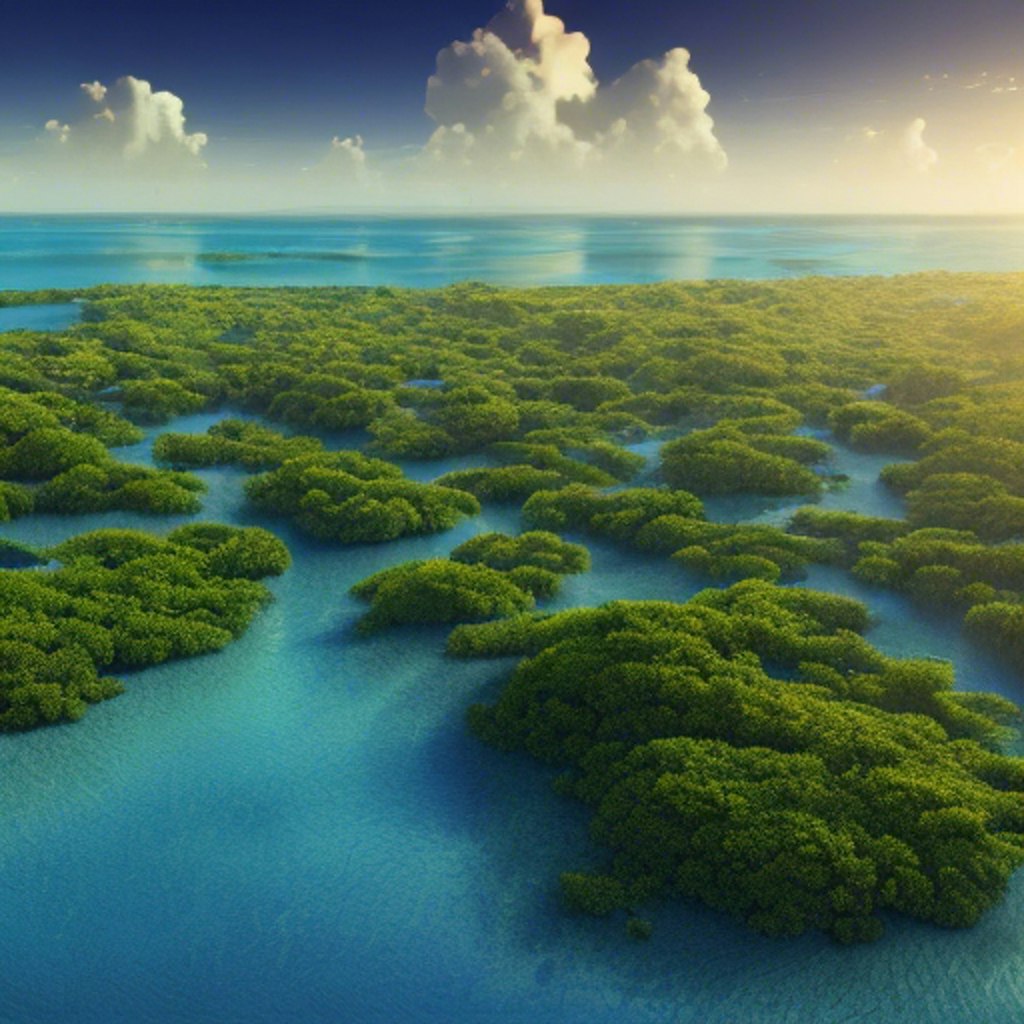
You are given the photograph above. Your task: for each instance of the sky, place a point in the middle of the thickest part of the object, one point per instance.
(804, 106)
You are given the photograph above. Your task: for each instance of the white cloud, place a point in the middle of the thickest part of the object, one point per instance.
(918, 154)
(657, 109)
(135, 128)
(499, 93)
(520, 99)
(59, 131)
(94, 90)
(349, 151)
(345, 163)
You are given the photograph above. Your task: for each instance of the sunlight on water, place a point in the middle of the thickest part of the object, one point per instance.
(71, 252)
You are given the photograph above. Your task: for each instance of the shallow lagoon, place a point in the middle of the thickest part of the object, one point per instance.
(300, 829)
(56, 316)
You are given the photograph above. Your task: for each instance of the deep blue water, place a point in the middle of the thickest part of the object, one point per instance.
(300, 830)
(71, 252)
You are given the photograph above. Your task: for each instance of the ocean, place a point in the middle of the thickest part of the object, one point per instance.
(72, 252)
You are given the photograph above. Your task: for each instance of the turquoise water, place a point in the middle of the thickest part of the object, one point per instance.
(72, 252)
(300, 830)
(49, 317)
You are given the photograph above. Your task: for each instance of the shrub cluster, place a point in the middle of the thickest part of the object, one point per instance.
(123, 599)
(347, 497)
(728, 460)
(855, 786)
(233, 442)
(490, 576)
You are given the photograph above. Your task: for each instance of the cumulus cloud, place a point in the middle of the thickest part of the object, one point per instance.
(345, 163)
(59, 131)
(918, 154)
(348, 152)
(129, 125)
(496, 98)
(520, 98)
(894, 150)
(96, 91)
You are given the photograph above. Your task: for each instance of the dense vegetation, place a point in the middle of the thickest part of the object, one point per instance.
(843, 785)
(728, 460)
(347, 497)
(123, 599)
(490, 576)
(62, 444)
(749, 748)
(672, 522)
(233, 442)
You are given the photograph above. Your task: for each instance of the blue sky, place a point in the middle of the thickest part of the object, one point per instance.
(788, 82)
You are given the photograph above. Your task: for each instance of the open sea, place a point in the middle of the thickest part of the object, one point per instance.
(70, 252)
(300, 830)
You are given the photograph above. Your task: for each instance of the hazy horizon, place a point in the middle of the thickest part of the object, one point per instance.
(570, 108)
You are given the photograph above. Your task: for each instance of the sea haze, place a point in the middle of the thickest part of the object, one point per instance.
(72, 252)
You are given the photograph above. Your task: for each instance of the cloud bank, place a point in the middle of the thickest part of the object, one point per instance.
(518, 120)
(519, 104)
(128, 126)
(119, 147)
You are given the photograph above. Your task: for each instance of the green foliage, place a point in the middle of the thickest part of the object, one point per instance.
(726, 552)
(850, 527)
(1000, 626)
(438, 591)
(48, 451)
(233, 442)
(490, 576)
(728, 461)
(620, 515)
(22, 413)
(587, 393)
(330, 403)
(671, 522)
(347, 497)
(158, 399)
(473, 417)
(967, 501)
(403, 435)
(956, 452)
(14, 501)
(250, 554)
(864, 786)
(89, 488)
(549, 457)
(504, 483)
(879, 427)
(123, 599)
(1001, 567)
(749, 748)
(538, 548)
